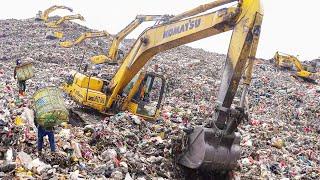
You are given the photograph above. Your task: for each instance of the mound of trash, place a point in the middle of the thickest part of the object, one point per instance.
(280, 139)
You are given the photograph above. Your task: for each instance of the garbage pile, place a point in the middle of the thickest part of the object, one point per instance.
(27, 38)
(280, 139)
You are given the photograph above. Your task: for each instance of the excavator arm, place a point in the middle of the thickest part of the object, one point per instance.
(44, 16)
(114, 48)
(297, 63)
(56, 24)
(83, 37)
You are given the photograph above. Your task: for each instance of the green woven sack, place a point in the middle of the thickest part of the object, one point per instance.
(50, 109)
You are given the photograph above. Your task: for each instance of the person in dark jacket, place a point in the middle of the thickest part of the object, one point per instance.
(21, 83)
(42, 132)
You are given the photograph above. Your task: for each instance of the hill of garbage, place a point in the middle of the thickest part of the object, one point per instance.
(280, 139)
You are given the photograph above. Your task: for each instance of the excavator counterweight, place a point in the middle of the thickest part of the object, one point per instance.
(133, 89)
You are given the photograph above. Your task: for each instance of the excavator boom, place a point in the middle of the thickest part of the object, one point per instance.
(45, 15)
(214, 148)
(56, 24)
(83, 37)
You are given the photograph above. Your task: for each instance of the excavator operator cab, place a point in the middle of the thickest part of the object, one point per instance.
(149, 95)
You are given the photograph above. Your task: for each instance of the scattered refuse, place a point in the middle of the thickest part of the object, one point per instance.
(280, 139)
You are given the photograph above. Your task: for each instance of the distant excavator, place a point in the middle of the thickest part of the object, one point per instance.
(83, 37)
(55, 24)
(54, 35)
(114, 52)
(286, 61)
(43, 16)
(212, 148)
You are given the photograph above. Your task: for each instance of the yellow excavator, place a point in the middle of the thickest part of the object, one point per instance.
(54, 35)
(114, 51)
(43, 16)
(139, 92)
(283, 60)
(83, 37)
(55, 24)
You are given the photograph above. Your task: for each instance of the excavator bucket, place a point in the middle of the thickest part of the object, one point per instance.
(209, 151)
(98, 59)
(66, 44)
(58, 35)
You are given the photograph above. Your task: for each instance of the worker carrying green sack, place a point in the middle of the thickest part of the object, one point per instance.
(23, 72)
(50, 111)
(21, 83)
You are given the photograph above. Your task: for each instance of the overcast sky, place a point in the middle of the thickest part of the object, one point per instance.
(289, 26)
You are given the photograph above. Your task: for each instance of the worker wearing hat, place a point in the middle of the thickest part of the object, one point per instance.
(21, 83)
